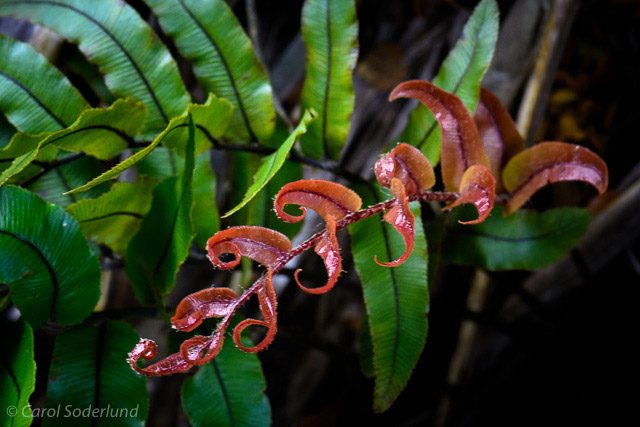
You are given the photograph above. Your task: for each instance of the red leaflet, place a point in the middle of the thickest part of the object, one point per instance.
(478, 187)
(199, 350)
(268, 308)
(329, 251)
(408, 164)
(146, 349)
(498, 132)
(258, 243)
(325, 197)
(204, 304)
(461, 146)
(401, 218)
(550, 162)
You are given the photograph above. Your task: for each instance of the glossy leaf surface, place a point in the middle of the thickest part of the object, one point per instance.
(99, 132)
(205, 217)
(205, 304)
(549, 162)
(409, 165)
(17, 373)
(272, 163)
(396, 300)
(230, 391)
(45, 260)
(325, 197)
(526, 240)
(36, 97)
(330, 33)
(89, 368)
(460, 73)
(212, 116)
(461, 145)
(260, 244)
(162, 242)
(208, 34)
(478, 187)
(500, 137)
(114, 217)
(113, 36)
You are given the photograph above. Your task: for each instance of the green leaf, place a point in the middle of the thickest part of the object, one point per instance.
(17, 373)
(208, 34)
(272, 163)
(99, 132)
(52, 185)
(210, 118)
(330, 33)
(36, 97)
(6, 132)
(162, 242)
(112, 35)
(397, 299)
(89, 372)
(460, 73)
(205, 216)
(229, 391)
(525, 240)
(45, 260)
(114, 217)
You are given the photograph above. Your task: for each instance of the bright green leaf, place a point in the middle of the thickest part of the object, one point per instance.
(45, 260)
(52, 185)
(36, 97)
(229, 391)
(205, 216)
(525, 240)
(89, 370)
(112, 35)
(396, 299)
(210, 118)
(17, 373)
(208, 34)
(162, 243)
(330, 32)
(272, 163)
(114, 217)
(460, 73)
(99, 132)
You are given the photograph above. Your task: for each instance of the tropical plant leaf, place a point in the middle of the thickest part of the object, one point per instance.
(460, 73)
(36, 97)
(272, 163)
(210, 118)
(397, 299)
(208, 34)
(162, 242)
(6, 132)
(526, 240)
(114, 217)
(17, 373)
(330, 33)
(461, 145)
(89, 370)
(113, 36)
(45, 260)
(99, 132)
(229, 391)
(205, 216)
(52, 185)
(549, 162)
